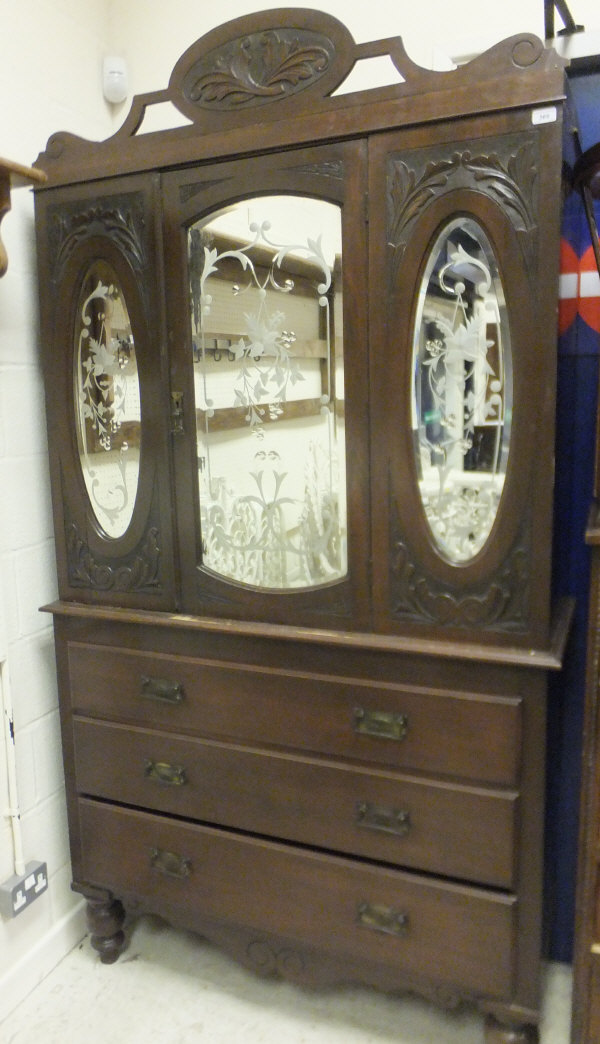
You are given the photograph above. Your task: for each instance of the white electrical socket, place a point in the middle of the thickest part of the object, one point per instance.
(21, 889)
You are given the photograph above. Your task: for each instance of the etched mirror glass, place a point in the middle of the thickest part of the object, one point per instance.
(107, 399)
(266, 325)
(462, 393)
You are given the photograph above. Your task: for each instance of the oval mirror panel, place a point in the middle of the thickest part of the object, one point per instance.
(107, 399)
(462, 391)
(266, 331)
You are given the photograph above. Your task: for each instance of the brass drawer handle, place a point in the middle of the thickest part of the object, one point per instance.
(162, 772)
(170, 863)
(382, 919)
(389, 820)
(386, 724)
(161, 689)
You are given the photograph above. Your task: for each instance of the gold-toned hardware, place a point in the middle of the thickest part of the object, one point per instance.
(382, 919)
(389, 820)
(385, 724)
(176, 413)
(161, 689)
(595, 948)
(162, 772)
(170, 863)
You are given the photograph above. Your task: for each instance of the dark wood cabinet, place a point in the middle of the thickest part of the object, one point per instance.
(586, 961)
(586, 983)
(300, 365)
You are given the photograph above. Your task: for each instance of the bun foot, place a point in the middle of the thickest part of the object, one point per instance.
(104, 920)
(500, 1033)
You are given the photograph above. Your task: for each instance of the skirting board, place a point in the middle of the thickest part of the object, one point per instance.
(35, 965)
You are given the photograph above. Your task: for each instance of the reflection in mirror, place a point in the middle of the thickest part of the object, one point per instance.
(266, 304)
(462, 392)
(107, 399)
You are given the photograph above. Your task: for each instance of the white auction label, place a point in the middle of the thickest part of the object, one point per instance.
(546, 115)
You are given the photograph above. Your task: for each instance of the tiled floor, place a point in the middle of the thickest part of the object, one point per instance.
(174, 988)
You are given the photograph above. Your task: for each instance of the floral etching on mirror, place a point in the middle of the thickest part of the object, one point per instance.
(107, 400)
(507, 172)
(266, 332)
(462, 393)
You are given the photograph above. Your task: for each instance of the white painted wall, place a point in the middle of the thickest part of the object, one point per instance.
(50, 60)
(437, 25)
(152, 36)
(50, 56)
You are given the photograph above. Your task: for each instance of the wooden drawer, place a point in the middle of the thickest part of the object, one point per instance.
(457, 831)
(450, 934)
(474, 736)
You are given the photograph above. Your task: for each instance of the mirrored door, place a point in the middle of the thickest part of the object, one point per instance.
(266, 313)
(271, 358)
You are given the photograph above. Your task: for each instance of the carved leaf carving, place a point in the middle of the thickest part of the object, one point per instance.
(266, 65)
(509, 179)
(118, 223)
(501, 605)
(142, 574)
(503, 180)
(409, 194)
(327, 169)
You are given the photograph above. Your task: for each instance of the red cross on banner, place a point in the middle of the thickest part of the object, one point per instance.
(579, 288)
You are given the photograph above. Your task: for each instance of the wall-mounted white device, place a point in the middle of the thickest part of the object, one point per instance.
(114, 79)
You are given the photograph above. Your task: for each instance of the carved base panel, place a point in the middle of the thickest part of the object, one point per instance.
(274, 957)
(499, 1033)
(277, 958)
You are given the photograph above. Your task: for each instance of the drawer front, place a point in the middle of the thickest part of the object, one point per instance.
(458, 831)
(476, 737)
(340, 907)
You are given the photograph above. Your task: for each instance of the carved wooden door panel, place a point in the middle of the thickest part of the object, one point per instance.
(109, 440)
(266, 279)
(460, 479)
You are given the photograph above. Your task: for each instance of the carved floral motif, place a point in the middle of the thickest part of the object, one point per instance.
(326, 169)
(509, 177)
(259, 67)
(119, 222)
(141, 574)
(510, 180)
(500, 606)
(269, 960)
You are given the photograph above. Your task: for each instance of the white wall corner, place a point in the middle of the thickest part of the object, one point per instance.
(27, 973)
